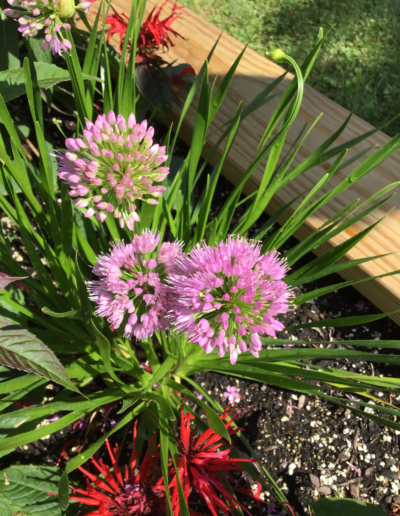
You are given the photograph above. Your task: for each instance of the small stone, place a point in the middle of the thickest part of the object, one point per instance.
(387, 499)
(285, 418)
(302, 401)
(368, 472)
(392, 475)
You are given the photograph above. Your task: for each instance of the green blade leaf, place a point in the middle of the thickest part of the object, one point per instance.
(20, 349)
(214, 420)
(344, 507)
(105, 352)
(73, 314)
(343, 321)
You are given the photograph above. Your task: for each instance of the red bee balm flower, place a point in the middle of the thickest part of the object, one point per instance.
(202, 458)
(119, 24)
(154, 33)
(140, 493)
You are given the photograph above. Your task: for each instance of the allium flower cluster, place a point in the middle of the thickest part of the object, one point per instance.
(112, 166)
(132, 285)
(33, 15)
(228, 295)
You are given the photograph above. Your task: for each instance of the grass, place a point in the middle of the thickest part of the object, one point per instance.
(365, 36)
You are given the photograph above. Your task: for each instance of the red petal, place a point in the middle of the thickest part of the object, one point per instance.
(99, 483)
(117, 471)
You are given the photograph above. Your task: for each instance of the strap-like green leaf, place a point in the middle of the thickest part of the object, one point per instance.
(345, 507)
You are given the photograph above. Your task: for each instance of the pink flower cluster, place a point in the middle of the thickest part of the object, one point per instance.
(228, 295)
(33, 15)
(225, 296)
(132, 285)
(112, 166)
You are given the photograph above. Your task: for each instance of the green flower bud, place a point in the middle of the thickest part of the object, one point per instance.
(277, 56)
(66, 8)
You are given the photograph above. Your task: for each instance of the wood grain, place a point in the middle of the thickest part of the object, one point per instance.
(254, 73)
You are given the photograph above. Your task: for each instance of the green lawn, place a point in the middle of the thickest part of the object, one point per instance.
(365, 36)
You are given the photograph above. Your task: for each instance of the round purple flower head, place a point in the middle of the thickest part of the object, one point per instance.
(33, 15)
(112, 166)
(228, 295)
(132, 288)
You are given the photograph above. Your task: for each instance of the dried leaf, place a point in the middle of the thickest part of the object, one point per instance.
(6, 280)
(315, 480)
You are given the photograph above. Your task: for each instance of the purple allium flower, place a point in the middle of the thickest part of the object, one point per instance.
(112, 166)
(360, 305)
(132, 283)
(56, 45)
(33, 15)
(232, 394)
(168, 254)
(228, 295)
(352, 398)
(287, 346)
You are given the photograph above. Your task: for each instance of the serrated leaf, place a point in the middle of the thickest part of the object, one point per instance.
(344, 507)
(6, 280)
(12, 83)
(23, 490)
(20, 349)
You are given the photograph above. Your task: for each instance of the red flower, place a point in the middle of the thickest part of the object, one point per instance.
(202, 458)
(23, 404)
(154, 33)
(118, 26)
(178, 81)
(133, 494)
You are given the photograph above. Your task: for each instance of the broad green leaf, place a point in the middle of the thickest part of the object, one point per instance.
(20, 349)
(24, 490)
(154, 85)
(12, 82)
(345, 507)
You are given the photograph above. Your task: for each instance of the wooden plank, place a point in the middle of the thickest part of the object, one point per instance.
(254, 73)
